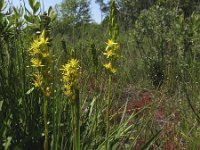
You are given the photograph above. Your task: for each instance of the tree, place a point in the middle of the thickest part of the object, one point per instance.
(188, 6)
(129, 10)
(75, 11)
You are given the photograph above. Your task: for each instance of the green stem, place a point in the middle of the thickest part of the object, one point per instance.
(73, 127)
(45, 125)
(107, 112)
(96, 104)
(77, 114)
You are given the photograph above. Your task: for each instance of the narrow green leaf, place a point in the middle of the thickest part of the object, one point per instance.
(29, 18)
(36, 7)
(1, 4)
(26, 10)
(92, 106)
(16, 11)
(52, 14)
(31, 3)
(50, 10)
(148, 144)
(7, 143)
(124, 113)
(30, 91)
(1, 105)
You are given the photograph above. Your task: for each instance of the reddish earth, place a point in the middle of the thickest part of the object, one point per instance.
(162, 119)
(135, 104)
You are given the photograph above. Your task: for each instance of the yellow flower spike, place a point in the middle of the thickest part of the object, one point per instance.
(36, 62)
(70, 78)
(38, 80)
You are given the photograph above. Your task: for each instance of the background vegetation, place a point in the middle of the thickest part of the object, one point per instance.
(151, 102)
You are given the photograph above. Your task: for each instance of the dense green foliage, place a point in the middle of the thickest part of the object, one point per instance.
(148, 100)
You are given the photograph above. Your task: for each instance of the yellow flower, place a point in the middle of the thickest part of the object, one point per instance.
(39, 45)
(109, 53)
(71, 68)
(38, 80)
(110, 43)
(34, 48)
(109, 67)
(36, 62)
(74, 63)
(35, 44)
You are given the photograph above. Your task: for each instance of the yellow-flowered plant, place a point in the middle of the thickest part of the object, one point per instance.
(70, 77)
(112, 54)
(41, 64)
(40, 61)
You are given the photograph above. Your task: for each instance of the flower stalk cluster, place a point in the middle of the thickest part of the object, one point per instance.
(70, 77)
(112, 54)
(112, 49)
(40, 62)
